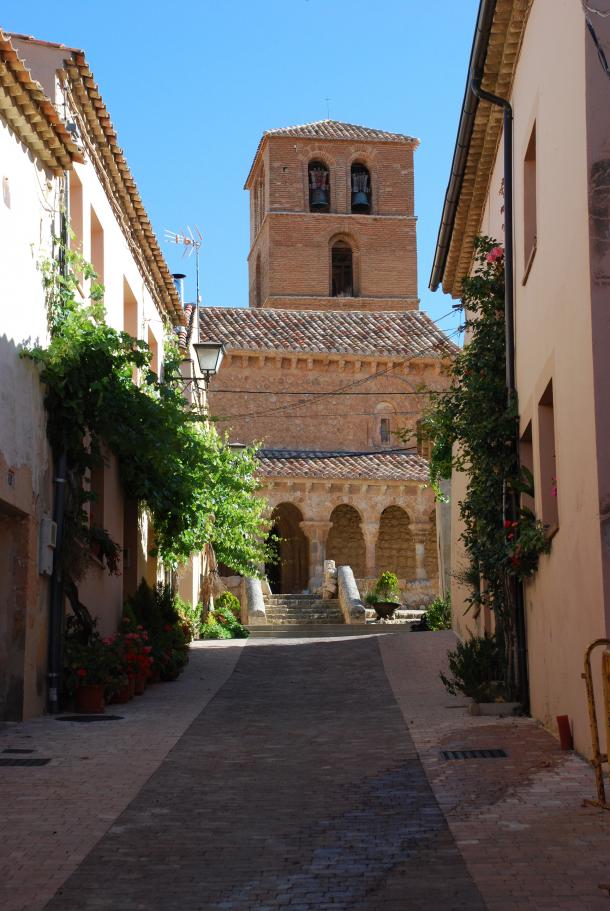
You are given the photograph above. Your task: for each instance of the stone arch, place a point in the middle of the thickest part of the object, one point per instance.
(430, 544)
(345, 544)
(395, 550)
(290, 575)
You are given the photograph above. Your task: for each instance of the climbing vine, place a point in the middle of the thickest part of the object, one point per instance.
(196, 489)
(473, 430)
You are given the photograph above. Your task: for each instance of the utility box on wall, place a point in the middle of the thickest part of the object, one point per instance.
(46, 545)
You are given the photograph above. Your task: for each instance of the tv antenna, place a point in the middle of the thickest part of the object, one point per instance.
(192, 244)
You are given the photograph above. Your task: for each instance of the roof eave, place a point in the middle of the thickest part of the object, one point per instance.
(470, 104)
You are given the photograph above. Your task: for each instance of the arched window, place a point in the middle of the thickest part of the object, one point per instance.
(342, 270)
(319, 187)
(361, 189)
(383, 427)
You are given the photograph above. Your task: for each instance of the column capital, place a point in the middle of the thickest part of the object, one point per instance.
(315, 528)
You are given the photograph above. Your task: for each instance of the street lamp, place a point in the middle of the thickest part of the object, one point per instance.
(209, 356)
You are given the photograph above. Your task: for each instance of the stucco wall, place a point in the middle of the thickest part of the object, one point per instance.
(28, 195)
(565, 602)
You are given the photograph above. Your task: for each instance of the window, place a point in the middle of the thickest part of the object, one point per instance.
(319, 187)
(549, 512)
(342, 282)
(384, 430)
(529, 202)
(526, 457)
(97, 247)
(361, 189)
(76, 212)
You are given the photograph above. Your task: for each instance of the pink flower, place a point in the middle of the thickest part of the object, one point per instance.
(494, 254)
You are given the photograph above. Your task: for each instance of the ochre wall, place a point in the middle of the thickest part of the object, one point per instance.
(332, 422)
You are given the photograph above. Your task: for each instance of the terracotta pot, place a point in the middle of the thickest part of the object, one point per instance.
(90, 699)
(140, 683)
(385, 609)
(121, 696)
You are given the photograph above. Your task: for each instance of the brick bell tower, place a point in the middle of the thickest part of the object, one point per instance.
(332, 223)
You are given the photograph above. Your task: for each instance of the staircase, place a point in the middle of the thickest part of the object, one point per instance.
(308, 616)
(301, 610)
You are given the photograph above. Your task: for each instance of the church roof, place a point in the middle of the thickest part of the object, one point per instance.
(390, 465)
(337, 130)
(333, 131)
(409, 333)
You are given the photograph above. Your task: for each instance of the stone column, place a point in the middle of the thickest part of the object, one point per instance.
(370, 531)
(316, 532)
(420, 533)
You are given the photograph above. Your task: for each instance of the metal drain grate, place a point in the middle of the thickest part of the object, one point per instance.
(16, 750)
(85, 719)
(473, 754)
(30, 761)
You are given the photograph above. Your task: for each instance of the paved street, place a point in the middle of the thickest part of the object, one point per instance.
(299, 774)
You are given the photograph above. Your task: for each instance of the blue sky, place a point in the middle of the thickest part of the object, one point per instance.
(190, 89)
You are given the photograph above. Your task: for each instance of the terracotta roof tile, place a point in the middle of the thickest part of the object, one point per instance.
(349, 466)
(135, 222)
(336, 130)
(28, 111)
(408, 333)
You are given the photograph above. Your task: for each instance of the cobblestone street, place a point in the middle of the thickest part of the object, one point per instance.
(299, 774)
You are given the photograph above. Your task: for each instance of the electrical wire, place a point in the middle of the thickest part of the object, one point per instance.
(294, 405)
(601, 54)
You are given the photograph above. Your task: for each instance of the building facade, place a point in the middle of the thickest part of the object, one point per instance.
(560, 168)
(333, 356)
(50, 164)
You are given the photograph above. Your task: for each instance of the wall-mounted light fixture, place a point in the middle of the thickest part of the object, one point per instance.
(209, 356)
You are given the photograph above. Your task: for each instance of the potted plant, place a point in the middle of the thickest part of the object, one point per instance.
(88, 673)
(385, 596)
(477, 671)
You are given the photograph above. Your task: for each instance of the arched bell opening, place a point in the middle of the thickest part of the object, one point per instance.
(290, 574)
(319, 187)
(361, 189)
(345, 544)
(395, 551)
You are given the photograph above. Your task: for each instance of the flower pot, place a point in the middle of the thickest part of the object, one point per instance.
(90, 699)
(140, 684)
(121, 696)
(385, 609)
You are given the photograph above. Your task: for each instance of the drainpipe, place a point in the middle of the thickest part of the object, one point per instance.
(509, 320)
(56, 605)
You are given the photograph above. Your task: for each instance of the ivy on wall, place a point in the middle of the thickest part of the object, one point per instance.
(196, 489)
(473, 430)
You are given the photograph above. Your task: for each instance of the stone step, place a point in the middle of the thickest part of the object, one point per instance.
(271, 631)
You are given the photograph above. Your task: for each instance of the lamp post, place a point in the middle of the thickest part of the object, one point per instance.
(209, 356)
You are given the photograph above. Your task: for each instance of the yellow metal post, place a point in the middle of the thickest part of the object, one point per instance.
(598, 757)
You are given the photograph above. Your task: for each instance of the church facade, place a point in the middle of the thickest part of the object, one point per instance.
(333, 356)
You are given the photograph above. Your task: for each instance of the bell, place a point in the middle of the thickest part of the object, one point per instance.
(360, 201)
(319, 199)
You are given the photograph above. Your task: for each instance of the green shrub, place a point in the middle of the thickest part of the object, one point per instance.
(438, 614)
(227, 599)
(215, 631)
(191, 614)
(476, 668)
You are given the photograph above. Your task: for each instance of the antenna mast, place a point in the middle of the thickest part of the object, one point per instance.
(192, 244)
